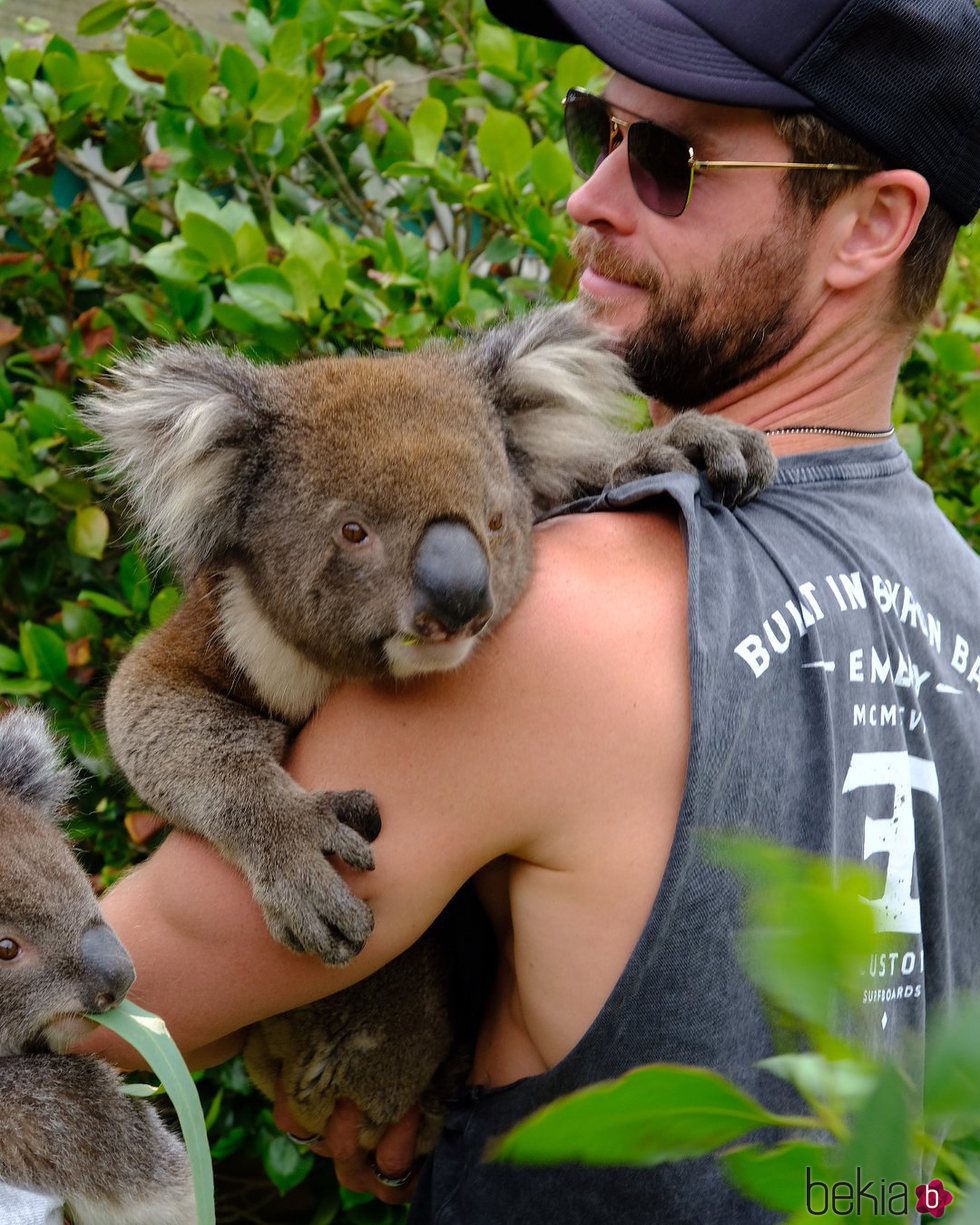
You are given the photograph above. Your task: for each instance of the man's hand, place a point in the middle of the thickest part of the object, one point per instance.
(356, 1169)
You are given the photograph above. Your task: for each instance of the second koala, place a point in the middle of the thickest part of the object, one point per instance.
(68, 1131)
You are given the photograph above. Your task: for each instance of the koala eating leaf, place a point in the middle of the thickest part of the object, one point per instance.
(69, 1132)
(339, 519)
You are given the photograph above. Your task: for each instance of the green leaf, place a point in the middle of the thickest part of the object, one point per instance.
(807, 937)
(237, 73)
(884, 1153)
(102, 18)
(304, 284)
(134, 581)
(212, 240)
(277, 95)
(12, 536)
(189, 199)
(551, 171)
(176, 261)
(265, 295)
(952, 1082)
(43, 651)
(427, 124)
(504, 143)
(22, 64)
(496, 47)
(163, 605)
(188, 79)
(91, 751)
(10, 660)
(578, 67)
(23, 687)
(9, 454)
(650, 1115)
(288, 47)
(88, 532)
(843, 1083)
(149, 315)
(149, 1035)
(105, 603)
(955, 351)
(286, 1164)
(250, 245)
(777, 1176)
(149, 55)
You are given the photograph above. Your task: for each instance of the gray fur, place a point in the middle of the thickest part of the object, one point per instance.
(245, 477)
(68, 1130)
(30, 764)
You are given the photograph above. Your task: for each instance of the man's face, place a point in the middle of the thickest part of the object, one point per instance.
(704, 301)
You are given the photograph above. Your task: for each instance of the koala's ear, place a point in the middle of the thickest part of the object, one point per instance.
(561, 392)
(30, 765)
(181, 424)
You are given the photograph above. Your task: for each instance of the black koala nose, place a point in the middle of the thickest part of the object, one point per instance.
(107, 972)
(451, 582)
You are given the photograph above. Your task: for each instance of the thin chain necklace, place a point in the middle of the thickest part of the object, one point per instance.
(832, 429)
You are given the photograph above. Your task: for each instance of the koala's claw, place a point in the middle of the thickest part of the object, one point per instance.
(310, 910)
(358, 810)
(738, 460)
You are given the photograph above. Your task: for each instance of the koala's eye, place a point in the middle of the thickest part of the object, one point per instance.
(354, 533)
(9, 949)
(495, 522)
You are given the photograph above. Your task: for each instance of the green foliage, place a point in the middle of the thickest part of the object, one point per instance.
(349, 175)
(664, 1112)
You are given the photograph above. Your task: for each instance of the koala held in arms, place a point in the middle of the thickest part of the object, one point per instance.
(69, 1132)
(346, 518)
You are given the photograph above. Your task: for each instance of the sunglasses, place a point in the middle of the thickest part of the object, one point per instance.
(662, 164)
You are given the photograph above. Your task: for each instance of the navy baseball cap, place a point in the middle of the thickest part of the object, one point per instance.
(902, 77)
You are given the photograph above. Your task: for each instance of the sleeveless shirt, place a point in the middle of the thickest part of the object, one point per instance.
(834, 628)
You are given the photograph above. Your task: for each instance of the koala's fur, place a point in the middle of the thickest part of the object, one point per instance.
(68, 1130)
(245, 477)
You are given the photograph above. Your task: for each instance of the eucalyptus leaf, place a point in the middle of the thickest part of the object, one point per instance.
(149, 1035)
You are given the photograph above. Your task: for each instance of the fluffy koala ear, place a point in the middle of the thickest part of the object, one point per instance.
(30, 765)
(180, 425)
(560, 390)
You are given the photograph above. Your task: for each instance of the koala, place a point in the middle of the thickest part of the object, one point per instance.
(69, 1131)
(336, 519)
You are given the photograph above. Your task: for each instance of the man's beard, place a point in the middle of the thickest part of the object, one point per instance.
(719, 329)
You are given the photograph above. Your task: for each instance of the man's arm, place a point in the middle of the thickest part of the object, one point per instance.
(575, 709)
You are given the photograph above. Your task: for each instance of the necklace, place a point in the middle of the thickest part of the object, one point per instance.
(832, 429)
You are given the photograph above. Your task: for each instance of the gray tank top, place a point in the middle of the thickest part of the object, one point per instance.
(835, 681)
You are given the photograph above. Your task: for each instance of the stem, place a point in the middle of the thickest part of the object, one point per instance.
(84, 171)
(351, 198)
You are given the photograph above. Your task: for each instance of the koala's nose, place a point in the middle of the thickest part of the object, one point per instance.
(451, 580)
(107, 972)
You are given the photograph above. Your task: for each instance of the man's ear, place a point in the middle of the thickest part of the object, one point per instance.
(181, 425)
(875, 223)
(560, 390)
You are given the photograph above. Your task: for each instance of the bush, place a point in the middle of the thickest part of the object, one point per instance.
(352, 175)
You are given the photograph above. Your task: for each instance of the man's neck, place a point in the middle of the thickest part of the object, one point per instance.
(840, 374)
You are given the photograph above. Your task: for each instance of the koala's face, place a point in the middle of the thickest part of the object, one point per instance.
(389, 526)
(58, 959)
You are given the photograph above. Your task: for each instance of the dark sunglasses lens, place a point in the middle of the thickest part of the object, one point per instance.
(660, 168)
(587, 132)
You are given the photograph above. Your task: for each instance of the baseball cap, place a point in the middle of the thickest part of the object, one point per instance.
(902, 77)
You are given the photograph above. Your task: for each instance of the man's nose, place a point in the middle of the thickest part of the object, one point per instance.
(606, 200)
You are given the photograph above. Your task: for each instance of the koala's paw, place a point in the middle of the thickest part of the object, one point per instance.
(738, 461)
(307, 905)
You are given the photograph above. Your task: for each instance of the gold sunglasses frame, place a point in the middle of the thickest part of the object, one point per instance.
(619, 131)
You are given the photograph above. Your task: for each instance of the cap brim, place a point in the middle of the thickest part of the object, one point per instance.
(651, 42)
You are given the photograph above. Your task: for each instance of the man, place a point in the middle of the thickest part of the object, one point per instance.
(807, 668)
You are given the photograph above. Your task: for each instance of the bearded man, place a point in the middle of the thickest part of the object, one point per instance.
(772, 193)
